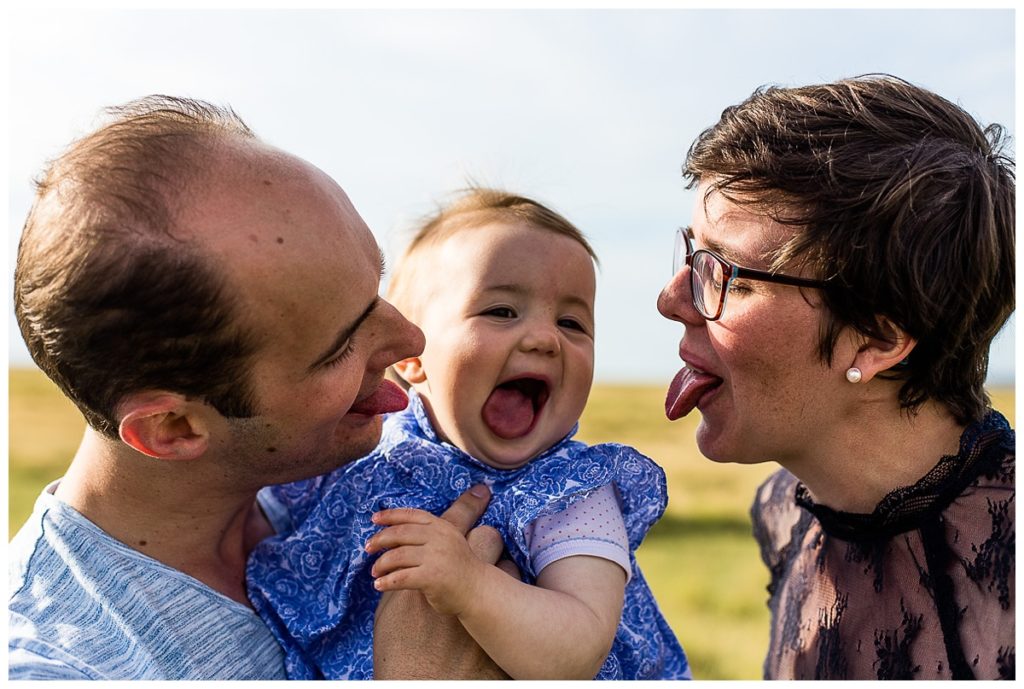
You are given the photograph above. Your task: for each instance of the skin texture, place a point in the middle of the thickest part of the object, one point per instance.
(523, 305)
(303, 270)
(778, 401)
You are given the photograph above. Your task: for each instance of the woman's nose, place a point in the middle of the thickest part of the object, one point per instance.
(676, 300)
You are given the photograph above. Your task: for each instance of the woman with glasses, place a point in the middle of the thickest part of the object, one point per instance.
(849, 261)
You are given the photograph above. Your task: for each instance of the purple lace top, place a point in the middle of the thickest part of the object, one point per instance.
(922, 588)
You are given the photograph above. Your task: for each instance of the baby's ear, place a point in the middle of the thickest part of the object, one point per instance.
(411, 370)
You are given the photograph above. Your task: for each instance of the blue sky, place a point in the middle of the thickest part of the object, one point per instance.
(590, 111)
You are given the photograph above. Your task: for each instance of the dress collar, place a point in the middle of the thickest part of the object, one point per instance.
(983, 447)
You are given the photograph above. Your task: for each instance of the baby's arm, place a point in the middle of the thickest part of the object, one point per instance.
(562, 628)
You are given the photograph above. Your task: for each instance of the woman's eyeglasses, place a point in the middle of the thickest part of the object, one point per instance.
(711, 275)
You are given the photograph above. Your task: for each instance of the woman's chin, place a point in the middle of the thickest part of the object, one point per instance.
(714, 445)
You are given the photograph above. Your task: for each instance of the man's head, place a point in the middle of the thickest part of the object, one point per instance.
(504, 291)
(899, 200)
(176, 273)
(110, 294)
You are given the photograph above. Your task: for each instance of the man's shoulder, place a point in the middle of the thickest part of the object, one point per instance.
(32, 548)
(83, 605)
(30, 657)
(42, 561)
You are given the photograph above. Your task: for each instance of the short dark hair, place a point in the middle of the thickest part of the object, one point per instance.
(109, 298)
(900, 200)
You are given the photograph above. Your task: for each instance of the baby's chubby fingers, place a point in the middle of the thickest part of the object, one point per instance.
(398, 558)
(402, 515)
(395, 536)
(405, 578)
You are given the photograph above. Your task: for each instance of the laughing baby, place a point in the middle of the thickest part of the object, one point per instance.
(503, 288)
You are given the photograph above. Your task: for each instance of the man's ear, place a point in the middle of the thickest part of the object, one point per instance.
(163, 425)
(881, 354)
(411, 370)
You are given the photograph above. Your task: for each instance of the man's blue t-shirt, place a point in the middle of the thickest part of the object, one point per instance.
(86, 606)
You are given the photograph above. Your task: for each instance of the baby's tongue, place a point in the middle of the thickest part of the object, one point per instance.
(508, 412)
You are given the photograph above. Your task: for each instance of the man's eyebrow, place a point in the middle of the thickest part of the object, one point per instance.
(344, 336)
(347, 333)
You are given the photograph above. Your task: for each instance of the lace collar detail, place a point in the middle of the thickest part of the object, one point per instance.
(983, 447)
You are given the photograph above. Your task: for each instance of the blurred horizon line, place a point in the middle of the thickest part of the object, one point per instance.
(999, 380)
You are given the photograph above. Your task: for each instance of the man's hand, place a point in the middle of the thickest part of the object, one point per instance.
(412, 641)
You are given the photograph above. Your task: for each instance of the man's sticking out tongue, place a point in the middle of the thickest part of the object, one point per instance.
(509, 412)
(686, 390)
(388, 397)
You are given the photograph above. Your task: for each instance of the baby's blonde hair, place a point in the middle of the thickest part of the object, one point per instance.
(475, 207)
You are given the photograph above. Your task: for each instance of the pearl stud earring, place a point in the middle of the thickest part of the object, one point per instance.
(853, 375)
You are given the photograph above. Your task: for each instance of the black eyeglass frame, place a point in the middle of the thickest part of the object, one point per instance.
(731, 271)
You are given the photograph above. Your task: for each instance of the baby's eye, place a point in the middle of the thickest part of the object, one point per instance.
(501, 312)
(571, 324)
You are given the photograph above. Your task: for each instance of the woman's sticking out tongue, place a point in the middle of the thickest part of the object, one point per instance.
(685, 391)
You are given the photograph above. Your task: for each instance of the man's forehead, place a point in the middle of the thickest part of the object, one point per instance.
(285, 236)
(262, 194)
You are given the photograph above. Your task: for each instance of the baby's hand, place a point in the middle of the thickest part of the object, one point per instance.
(425, 553)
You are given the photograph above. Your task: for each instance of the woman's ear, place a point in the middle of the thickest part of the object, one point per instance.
(163, 425)
(411, 370)
(881, 354)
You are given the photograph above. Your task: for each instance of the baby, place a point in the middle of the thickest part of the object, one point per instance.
(503, 289)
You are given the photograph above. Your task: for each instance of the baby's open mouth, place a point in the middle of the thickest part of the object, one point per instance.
(513, 407)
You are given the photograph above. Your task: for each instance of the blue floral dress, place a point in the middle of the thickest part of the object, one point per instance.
(313, 586)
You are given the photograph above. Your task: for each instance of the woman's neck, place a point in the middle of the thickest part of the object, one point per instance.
(868, 457)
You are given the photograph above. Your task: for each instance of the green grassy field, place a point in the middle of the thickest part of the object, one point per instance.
(700, 559)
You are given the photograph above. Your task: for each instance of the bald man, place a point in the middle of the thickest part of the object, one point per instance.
(210, 303)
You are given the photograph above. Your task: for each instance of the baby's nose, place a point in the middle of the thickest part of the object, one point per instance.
(542, 339)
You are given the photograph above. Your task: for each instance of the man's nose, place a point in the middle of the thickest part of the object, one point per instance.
(676, 300)
(404, 338)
